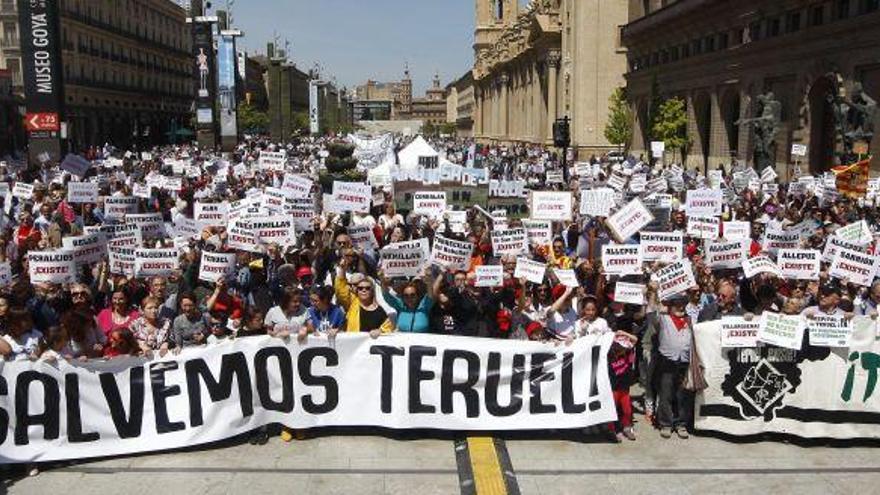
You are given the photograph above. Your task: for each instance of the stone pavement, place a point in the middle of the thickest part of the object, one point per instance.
(376, 462)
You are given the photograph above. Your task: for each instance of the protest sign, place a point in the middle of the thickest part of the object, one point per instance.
(549, 205)
(760, 264)
(774, 240)
(431, 204)
(155, 262)
(726, 254)
(451, 254)
(457, 220)
(704, 202)
(118, 206)
(151, 225)
(216, 266)
(139, 190)
(363, 237)
(211, 214)
(186, 227)
(273, 229)
(703, 227)
(657, 149)
(798, 264)
(781, 330)
(768, 174)
(662, 246)
(352, 196)
(567, 278)
(856, 233)
(87, 249)
(499, 220)
(772, 390)
(627, 293)
(674, 279)
(76, 165)
(716, 178)
(302, 211)
(55, 267)
(625, 222)
(297, 186)
(82, 192)
(854, 267)
(489, 276)
(240, 236)
(734, 231)
(119, 234)
(259, 381)
(509, 242)
(737, 332)
(538, 232)
(638, 183)
(23, 191)
(828, 330)
(121, 260)
(273, 161)
(400, 261)
(833, 245)
(622, 259)
(174, 184)
(657, 185)
(597, 202)
(617, 181)
(532, 271)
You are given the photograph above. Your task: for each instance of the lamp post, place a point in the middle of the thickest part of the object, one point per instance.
(562, 139)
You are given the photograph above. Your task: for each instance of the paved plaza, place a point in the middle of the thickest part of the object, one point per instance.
(377, 462)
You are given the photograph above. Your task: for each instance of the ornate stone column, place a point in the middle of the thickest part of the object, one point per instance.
(553, 58)
(503, 80)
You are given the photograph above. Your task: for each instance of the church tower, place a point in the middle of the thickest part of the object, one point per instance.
(492, 17)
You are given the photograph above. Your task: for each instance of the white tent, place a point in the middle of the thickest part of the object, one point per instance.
(409, 156)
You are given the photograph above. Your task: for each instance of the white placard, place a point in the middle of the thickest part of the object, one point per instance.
(627, 293)
(216, 266)
(774, 240)
(734, 231)
(856, 233)
(119, 206)
(737, 332)
(726, 254)
(539, 232)
(86, 249)
(211, 214)
(533, 271)
(451, 254)
(352, 196)
(622, 259)
(657, 149)
(509, 242)
(854, 267)
(548, 205)
(82, 192)
(431, 204)
(54, 267)
(274, 161)
(628, 220)
(760, 264)
(799, 149)
(781, 330)
(156, 262)
(277, 229)
(76, 165)
(239, 236)
(489, 276)
(597, 202)
(704, 202)
(400, 261)
(567, 278)
(151, 225)
(798, 264)
(703, 227)
(662, 246)
(829, 330)
(297, 186)
(673, 279)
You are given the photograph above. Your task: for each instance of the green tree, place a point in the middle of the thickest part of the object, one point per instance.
(449, 128)
(670, 125)
(619, 128)
(252, 120)
(429, 129)
(653, 109)
(301, 121)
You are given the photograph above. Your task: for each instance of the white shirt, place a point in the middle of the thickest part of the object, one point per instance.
(562, 325)
(275, 316)
(27, 346)
(596, 327)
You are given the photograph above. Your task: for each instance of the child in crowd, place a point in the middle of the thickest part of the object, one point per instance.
(22, 340)
(54, 346)
(621, 371)
(121, 343)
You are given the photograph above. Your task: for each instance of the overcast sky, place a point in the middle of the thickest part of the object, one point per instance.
(354, 40)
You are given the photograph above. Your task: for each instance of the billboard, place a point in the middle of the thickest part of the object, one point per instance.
(42, 76)
(203, 60)
(226, 68)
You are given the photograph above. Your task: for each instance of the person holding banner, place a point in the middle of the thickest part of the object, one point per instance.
(363, 311)
(21, 340)
(289, 316)
(189, 327)
(414, 305)
(151, 330)
(119, 315)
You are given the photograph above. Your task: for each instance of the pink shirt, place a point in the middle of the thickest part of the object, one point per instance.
(106, 324)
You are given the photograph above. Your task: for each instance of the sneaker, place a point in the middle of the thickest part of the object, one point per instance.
(618, 438)
(33, 471)
(629, 433)
(286, 435)
(666, 432)
(682, 433)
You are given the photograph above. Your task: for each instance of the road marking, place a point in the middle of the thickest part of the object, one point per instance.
(484, 467)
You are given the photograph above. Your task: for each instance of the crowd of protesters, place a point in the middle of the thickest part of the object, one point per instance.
(325, 283)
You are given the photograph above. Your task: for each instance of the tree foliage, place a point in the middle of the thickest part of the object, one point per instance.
(670, 124)
(252, 120)
(619, 128)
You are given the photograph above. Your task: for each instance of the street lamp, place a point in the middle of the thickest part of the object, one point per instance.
(562, 139)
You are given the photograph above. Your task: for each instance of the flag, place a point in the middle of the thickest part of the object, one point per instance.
(852, 180)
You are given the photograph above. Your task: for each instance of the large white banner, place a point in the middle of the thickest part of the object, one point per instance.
(206, 394)
(816, 392)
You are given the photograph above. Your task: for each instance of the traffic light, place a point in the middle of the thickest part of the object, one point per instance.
(561, 133)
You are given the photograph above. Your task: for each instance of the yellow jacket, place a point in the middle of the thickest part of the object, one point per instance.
(353, 307)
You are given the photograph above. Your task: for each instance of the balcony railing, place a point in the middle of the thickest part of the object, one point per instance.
(11, 41)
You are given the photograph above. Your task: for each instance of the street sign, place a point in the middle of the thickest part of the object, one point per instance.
(43, 121)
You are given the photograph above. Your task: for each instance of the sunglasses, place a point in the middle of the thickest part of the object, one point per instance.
(364, 288)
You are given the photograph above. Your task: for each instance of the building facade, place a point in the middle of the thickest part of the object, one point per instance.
(555, 58)
(719, 56)
(127, 71)
(377, 94)
(287, 94)
(460, 105)
(12, 137)
(432, 108)
(252, 72)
